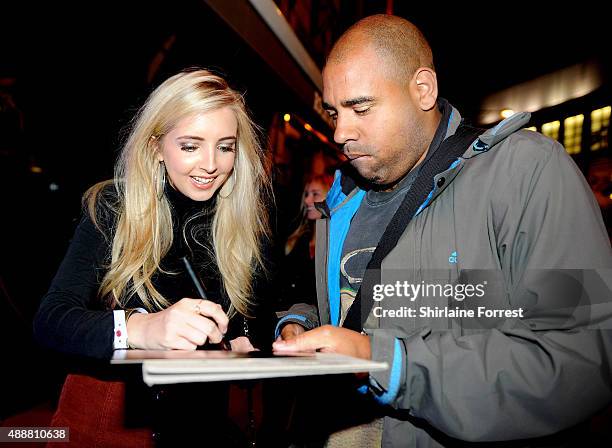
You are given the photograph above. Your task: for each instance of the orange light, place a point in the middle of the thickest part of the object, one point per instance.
(307, 127)
(36, 169)
(287, 117)
(506, 113)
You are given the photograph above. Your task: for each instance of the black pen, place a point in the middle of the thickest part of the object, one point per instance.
(200, 288)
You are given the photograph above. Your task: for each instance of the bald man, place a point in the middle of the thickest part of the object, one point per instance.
(476, 264)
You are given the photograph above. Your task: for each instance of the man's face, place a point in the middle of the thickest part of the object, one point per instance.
(377, 122)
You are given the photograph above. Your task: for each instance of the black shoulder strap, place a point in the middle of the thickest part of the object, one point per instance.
(449, 150)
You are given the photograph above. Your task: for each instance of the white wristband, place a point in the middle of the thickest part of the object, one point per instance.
(120, 339)
(120, 330)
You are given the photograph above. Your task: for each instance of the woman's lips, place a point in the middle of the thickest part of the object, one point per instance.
(203, 183)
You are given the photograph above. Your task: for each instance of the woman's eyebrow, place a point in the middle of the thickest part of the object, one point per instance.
(191, 137)
(195, 137)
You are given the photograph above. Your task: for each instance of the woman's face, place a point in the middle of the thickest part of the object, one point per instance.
(314, 192)
(199, 152)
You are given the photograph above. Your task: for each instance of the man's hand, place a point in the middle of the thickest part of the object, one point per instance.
(327, 339)
(290, 331)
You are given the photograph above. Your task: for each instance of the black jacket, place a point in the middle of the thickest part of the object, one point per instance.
(72, 318)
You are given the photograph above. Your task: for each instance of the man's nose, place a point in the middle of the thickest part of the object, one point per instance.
(345, 130)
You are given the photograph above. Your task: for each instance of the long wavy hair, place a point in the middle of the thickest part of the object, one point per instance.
(305, 225)
(143, 231)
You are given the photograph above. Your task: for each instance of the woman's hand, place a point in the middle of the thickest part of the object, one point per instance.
(183, 326)
(242, 344)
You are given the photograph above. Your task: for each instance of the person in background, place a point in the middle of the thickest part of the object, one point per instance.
(296, 271)
(190, 182)
(315, 190)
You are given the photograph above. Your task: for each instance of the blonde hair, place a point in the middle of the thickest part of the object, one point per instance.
(305, 225)
(143, 232)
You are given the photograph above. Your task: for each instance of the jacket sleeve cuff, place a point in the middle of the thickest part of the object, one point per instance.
(300, 313)
(293, 318)
(385, 347)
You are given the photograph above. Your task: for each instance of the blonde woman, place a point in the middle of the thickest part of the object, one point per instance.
(190, 181)
(296, 272)
(315, 190)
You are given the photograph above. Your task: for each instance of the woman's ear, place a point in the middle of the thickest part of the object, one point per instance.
(155, 143)
(426, 88)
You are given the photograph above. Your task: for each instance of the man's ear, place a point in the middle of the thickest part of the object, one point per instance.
(425, 88)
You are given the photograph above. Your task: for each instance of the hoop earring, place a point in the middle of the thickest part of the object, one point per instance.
(233, 177)
(160, 180)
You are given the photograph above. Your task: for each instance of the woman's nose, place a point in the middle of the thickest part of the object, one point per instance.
(207, 161)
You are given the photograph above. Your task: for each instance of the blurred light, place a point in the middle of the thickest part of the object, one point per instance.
(572, 139)
(307, 127)
(551, 129)
(600, 122)
(53, 186)
(506, 113)
(545, 91)
(286, 117)
(36, 169)
(610, 195)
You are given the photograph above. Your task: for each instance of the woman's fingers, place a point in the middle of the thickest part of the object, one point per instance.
(195, 335)
(204, 320)
(183, 344)
(205, 325)
(184, 325)
(213, 311)
(241, 344)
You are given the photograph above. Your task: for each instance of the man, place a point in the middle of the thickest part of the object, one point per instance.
(510, 226)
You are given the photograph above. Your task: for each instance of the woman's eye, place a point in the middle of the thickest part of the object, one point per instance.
(189, 148)
(362, 111)
(226, 148)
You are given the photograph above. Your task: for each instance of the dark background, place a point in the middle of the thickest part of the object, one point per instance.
(78, 72)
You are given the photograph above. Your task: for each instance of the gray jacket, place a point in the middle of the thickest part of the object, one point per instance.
(514, 217)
